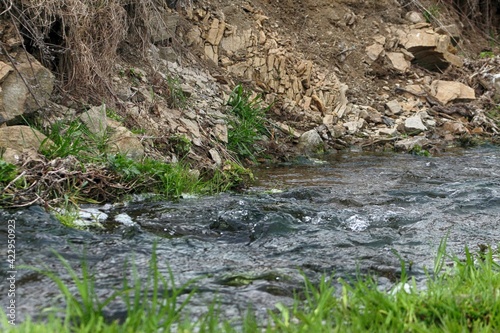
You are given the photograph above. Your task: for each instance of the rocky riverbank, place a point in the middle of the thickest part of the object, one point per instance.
(151, 80)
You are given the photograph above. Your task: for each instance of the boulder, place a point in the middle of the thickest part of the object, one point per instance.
(25, 89)
(454, 127)
(354, 126)
(123, 141)
(447, 91)
(163, 26)
(415, 17)
(430, 49)
(310, 142)
(16, 140)
(410, 143)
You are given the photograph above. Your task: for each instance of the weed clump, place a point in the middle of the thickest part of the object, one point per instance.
(248, 123)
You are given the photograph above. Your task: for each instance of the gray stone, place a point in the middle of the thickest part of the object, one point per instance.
(16, 98)
(414, 123)
(388, 131)
(310, 142)
(215, 156)
(354, 126)
(191, 126)
(409, 143)
(96, 120)
(393, 107)
(414, 17)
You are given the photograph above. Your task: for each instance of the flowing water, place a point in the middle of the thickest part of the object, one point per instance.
(341, 216)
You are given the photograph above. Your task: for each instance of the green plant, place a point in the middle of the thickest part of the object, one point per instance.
(247, 125)
(8, 172)
(169, 180)
(180, 144)
(494, 114)
(431, 13)
(486, 54)
(110, 113)
(175, 95)
(73, 138)
(419, 151)
(461, 295)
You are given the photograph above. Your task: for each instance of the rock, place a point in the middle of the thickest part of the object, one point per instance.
(451, 30)
(311, 143)
(454, 127)
(388, 131)
(415, 17)
(373, 51)
(123, 141)
(354, 126)
(220, 132)
(96, 120)
(410, 143)
(289, 130)
(414, 124)
(398, 61)
(431, 50)
(447, 91)
(191, 126)
(20, 139)
(215, 156)
(5, 70)
(162, 26)
(16, 98)
(393, 107)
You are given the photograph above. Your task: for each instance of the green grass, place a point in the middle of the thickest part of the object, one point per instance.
(247, 125)
(96, 175)
(8, 172)
(462, 297)
(73, 138)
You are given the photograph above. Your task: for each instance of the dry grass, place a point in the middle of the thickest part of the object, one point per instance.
(51, 183)
(80, 39)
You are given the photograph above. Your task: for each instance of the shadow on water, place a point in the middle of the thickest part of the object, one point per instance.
(344, 215)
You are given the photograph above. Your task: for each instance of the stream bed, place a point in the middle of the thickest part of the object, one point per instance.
(346, 214)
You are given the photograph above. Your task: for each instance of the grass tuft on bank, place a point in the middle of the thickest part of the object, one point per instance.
(461, 297)
(77, 166)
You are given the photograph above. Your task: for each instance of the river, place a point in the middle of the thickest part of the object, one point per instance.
(343, 215)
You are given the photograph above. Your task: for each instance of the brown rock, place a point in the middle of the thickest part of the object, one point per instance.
(5, 69)
(454, 127)
(21, 139)
(373, 51)
(446, 91)
(125, 142)
(398, 61)
(16, 98)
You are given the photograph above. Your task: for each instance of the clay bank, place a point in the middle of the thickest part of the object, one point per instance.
(153, 80)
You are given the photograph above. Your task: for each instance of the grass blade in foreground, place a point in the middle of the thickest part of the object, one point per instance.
(463, 298)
